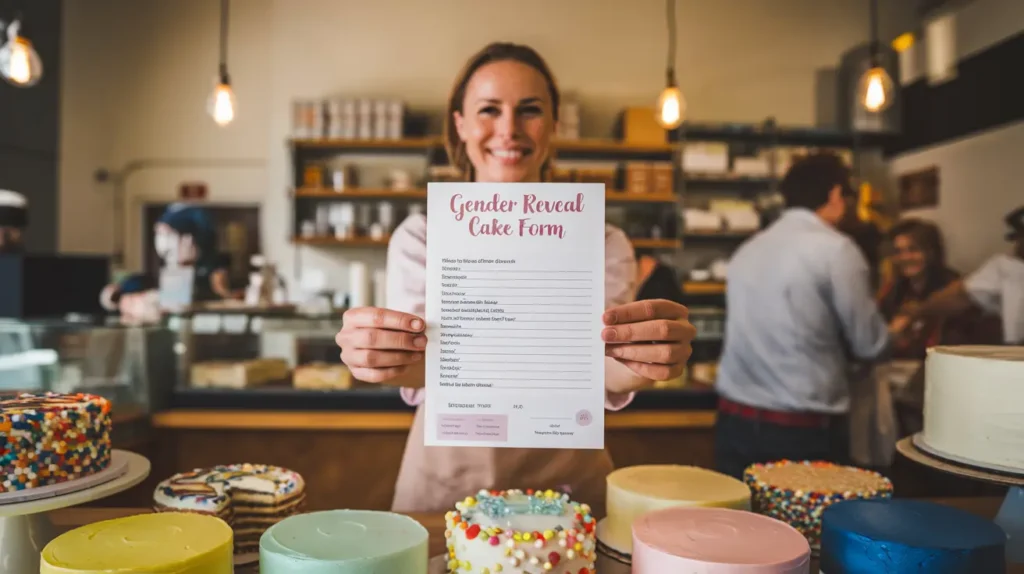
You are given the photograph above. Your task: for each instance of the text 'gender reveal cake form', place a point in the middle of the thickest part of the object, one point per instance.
(249, 497)
(717, 541)
(162, 543)
(797, 492)
(52, 438)
(905, 536)
(974, 405)
(635, 490)
(517, 532)
(345, 542)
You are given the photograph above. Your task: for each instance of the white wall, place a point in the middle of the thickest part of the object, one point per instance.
(137, 72)
(981, 177)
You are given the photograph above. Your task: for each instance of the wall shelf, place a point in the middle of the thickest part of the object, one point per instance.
(583, 145)
(646, 243)
(329, 241)
(613, 196)
(703, 288)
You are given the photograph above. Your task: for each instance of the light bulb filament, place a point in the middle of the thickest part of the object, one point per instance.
(21, 62)
(223, 106)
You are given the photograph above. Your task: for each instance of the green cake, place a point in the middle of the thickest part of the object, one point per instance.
(344, 542)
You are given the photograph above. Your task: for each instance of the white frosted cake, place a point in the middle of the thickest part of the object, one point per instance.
(517, 532)
(636, 490)
(974, 405)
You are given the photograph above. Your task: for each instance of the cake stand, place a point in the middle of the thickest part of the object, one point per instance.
(1011, 514)
(25, 526)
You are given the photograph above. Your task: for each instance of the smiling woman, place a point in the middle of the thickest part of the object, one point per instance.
(500, 121)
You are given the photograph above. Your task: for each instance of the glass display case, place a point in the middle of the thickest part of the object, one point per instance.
(268, 359)
(132, 366)
(287, 361)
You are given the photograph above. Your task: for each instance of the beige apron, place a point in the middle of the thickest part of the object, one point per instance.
(433, 479)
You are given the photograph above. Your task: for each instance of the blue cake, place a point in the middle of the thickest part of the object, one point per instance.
(901, 536)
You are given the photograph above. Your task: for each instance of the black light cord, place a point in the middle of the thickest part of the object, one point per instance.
(874, 31)
(670, 16)
(224, 42)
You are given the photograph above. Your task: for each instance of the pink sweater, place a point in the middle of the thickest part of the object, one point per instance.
(433, 478)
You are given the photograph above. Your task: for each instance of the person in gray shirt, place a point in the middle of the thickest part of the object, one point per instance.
(799, 308)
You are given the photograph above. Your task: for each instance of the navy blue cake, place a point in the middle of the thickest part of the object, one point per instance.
(903, 536)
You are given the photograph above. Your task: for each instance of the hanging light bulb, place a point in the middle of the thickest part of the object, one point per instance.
(671, 107)
(221, 105)
(875, 91)
(20, 65)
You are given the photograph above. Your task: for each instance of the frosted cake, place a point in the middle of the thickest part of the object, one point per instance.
(520, 532)
(51, 438)
(249, 497)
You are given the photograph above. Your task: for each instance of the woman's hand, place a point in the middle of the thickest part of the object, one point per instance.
(651, 337)
(379, 345)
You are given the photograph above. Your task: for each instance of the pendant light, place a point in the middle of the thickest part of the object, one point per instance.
(20, 65)
(671, 107)
(875, 89)
(222, 105)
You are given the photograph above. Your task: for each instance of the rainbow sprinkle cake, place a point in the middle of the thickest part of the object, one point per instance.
(515, 532)
(798, 492)
(51, 438)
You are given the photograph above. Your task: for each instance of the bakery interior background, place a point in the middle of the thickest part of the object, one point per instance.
(126, 85)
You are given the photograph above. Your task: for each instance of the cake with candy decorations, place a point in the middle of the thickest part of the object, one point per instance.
(798, 492)
(51, 438)
(520, 532)
(249, 497)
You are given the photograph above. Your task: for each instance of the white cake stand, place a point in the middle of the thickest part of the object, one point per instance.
(1011, 514)
(25, 526)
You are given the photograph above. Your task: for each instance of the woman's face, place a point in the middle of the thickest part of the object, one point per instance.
(506, 122)
(908, 257)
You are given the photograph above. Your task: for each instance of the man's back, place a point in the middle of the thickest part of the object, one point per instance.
(798, 298)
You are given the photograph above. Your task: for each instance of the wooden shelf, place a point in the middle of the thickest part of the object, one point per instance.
(703, 288)
(406, 143)
(645, 243)
(583, 145)
(719, 235)
(421, 194)
(360, 193)
(329, 241)
(625, 197)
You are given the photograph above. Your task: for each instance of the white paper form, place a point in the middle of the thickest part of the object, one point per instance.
(515, 294)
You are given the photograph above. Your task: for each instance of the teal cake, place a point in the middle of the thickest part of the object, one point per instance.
(344, 542)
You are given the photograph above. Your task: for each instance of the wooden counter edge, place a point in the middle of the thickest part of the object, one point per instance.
(389, 421)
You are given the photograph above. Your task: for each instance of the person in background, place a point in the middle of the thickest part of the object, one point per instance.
(184, 236)
(799, 301)
(918, 254)
(13, 219)
(500, 121)
(997, 287)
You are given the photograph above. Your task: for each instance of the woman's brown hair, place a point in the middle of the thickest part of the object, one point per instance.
(495, 52)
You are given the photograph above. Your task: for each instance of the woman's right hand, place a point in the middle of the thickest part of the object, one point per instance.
(379, 345)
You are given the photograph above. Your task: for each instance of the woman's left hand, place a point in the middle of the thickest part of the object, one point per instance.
(650, 337)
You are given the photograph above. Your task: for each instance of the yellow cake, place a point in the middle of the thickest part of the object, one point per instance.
(163, 543)
(636, 490)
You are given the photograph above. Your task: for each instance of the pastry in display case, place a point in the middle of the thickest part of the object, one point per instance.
(239, 374)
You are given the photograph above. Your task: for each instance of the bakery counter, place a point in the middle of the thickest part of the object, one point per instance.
(387, 399)
(434, 523)
(351, 458)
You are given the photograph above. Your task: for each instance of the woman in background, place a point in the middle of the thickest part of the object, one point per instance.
(500, 121)
(918, 255)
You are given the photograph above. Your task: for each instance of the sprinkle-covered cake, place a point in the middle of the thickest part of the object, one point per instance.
(797, 492)
(249, 497)
(517, 532)
(905, 536)
(345, 542)
(182, 543)
(52, 438)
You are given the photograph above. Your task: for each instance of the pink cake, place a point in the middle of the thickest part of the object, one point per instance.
(717, 541)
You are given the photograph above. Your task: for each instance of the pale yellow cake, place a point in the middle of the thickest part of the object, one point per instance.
(166, 542)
